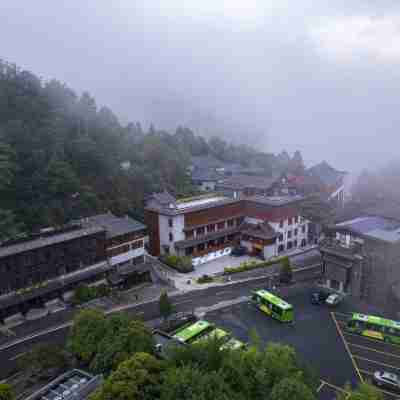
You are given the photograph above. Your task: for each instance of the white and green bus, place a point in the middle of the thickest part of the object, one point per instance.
(216, 334)
(272, 305)
(374, 327)
(193, 332)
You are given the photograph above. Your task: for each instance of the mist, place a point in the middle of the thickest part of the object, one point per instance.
(321, 78)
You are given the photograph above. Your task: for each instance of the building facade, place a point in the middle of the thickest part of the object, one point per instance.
(361, 258)
(41, 268)
(266, 226)
(46, 266)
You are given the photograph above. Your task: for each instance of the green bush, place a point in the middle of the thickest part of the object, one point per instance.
(181, 264)
(250, 265)
(84, 293)
(205, 279)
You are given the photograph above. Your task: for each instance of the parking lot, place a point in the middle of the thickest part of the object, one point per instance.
(318, 338)
(368, 355)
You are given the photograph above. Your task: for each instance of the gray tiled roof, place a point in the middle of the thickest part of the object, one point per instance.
(264, 230)
(48, 240)
(327, 174)
(247, 181)
(113, 225)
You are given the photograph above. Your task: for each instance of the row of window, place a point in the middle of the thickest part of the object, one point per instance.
(123, 249)
(209, 245)
(230, 223)
(291, 221)
(290, 233)
(291, 245)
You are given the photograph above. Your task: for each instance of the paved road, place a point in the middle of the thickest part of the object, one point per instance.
(150, 311)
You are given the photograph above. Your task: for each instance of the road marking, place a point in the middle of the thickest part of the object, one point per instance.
(347, 347)
(182, 302)
(334, 386)
(363, 371)
(320, 386)
(17, 356)
(223, 292)
(376, 362)
(371, 349)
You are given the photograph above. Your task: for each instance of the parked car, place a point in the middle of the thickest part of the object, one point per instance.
(238, 251)
(318, 298)
(333, 299)
(387, 380)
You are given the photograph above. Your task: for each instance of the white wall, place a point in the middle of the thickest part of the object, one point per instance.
(284, 230)
(270, 251)
(178, 223)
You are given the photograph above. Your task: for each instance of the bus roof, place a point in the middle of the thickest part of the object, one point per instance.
(376, 320)
(191, 331)
(273, 299)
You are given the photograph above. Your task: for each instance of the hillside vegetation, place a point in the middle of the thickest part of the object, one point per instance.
(61, 155)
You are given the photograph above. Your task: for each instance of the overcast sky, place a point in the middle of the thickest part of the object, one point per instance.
(319, 76)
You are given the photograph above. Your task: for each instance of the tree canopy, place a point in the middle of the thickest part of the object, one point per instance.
(61, 155)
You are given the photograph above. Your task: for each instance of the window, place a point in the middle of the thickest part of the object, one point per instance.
(289, 245)
(201, 247)
(303, 228)
(281, 248)
(171, 237)
(239, 220)
(303, 242)
(189, 234)
(200, 231)
(295, 243)
(281, 224)
(231, 222)
(221, 225)
(189, 251)
(170, 222)
(289, 234)
(290, 221)
(295, 232)
(211, 228)
(280, 237)
(137, 245)
(296, 220)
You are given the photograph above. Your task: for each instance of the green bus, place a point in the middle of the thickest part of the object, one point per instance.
(217, 333)
(375, 327)
(272, 305)
(194, 331)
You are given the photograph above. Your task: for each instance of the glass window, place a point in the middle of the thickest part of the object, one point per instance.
(281, 224)
(171, 237)
(295, 243)
(303, 228)
(296, 220)
(289, 245)
(295, 232)
(221, 225)
(289, 234)
(280, 237)
(170, 222)
(231, 222)
(290, 221)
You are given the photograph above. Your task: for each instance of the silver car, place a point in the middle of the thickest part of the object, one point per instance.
(387, 380)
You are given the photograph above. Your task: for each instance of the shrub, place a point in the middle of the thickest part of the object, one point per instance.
(84, 293)
(250, 265)
(205, 279)
(181, 264)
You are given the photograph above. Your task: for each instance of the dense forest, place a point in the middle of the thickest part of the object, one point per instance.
(61, 156)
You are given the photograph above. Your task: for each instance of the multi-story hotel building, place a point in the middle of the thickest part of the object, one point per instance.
(266, 226)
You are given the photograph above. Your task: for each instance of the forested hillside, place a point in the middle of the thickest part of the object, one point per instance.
(61, 155)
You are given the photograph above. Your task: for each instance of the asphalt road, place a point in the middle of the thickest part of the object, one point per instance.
(186, 302)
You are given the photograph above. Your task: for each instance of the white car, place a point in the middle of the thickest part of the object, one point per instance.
(333, 299)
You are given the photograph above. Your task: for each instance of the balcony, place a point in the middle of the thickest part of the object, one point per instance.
(336, 247)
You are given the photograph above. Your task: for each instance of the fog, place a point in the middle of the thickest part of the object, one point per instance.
(322, 77)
